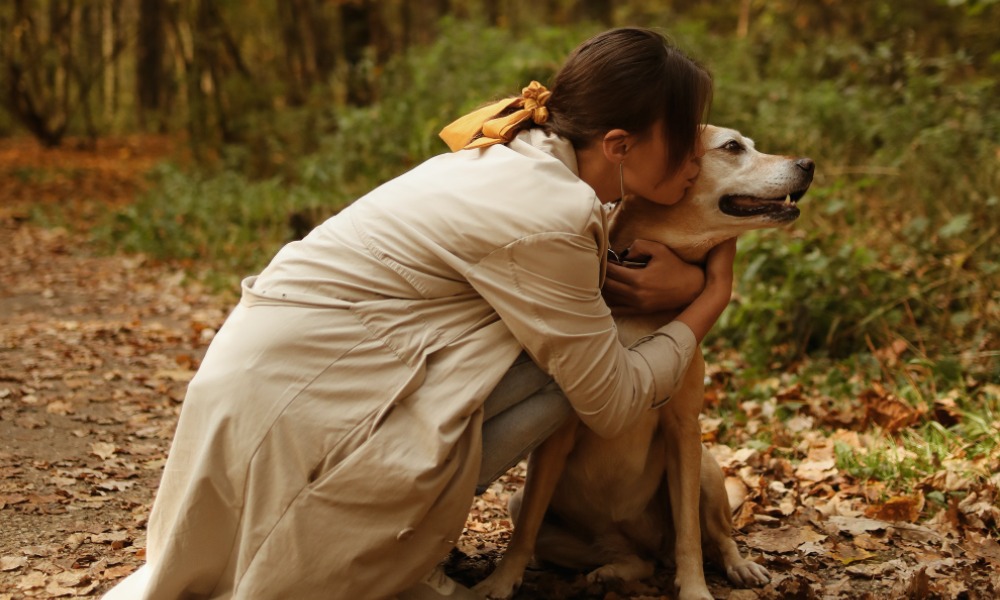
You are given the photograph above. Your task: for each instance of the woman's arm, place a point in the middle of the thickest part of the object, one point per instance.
(545, 289)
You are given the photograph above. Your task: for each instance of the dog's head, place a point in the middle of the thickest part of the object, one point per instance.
(738, 189)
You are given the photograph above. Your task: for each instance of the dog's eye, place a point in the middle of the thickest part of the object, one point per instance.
(732, 146)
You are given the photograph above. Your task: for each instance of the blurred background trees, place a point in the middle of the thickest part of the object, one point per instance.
(293, 107)
(100, 66)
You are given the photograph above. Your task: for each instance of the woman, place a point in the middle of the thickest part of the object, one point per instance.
(329, 445)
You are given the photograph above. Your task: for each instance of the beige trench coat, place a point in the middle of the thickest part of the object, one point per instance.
(329, 444)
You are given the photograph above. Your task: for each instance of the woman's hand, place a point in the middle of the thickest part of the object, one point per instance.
(665, 282)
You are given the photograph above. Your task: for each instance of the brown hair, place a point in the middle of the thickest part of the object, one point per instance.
(630, 78)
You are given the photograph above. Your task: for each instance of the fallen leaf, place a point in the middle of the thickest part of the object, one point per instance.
(888, 411)
(867, 542)
(877, 570)
(816, 470)
(12, 563)
(912, 584)
(783, 540)
(898, 508)
(180, 375)
(110, 538)
(56, 590)
(33, 580)
(12, 499)
(119, 571)
(813, 548)
(59, 407)
(850, 554)
(30, 422)
(112, 485)
(39, 551)
(736, 491)
(983, 547)
(103, 450)
(72, 578)
(857, 525)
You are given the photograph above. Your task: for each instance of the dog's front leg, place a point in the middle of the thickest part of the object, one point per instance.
(682, 434)
(545, 467)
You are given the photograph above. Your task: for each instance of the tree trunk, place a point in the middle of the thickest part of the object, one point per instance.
(150, 48)
(38, 77)
(109, 29)
(364, 48)
(600, 11)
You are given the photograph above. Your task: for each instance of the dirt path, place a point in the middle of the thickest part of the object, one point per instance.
(96, 352)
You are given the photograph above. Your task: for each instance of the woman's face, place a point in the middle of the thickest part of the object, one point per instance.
(644, 170)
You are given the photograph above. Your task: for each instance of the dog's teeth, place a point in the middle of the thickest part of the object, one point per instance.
(788, 200)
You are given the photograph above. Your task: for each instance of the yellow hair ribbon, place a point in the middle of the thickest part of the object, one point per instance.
(482, 127)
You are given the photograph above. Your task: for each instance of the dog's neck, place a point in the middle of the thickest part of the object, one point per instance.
(636, 218)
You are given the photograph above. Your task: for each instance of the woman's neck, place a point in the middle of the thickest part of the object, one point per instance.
(598, 172)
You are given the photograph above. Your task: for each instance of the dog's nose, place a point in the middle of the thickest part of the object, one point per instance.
(806, 164)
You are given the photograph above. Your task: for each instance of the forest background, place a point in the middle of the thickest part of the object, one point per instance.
(877, 313)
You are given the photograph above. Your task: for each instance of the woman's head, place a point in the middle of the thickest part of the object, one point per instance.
(633, 79)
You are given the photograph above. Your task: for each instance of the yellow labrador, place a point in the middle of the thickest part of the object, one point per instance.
(613, 506)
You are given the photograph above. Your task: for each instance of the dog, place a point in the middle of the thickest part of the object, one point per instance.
(612, 505)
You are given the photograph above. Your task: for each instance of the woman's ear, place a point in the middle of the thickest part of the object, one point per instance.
(615, 145)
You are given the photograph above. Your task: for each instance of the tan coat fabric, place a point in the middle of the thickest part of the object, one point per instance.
(328, 447)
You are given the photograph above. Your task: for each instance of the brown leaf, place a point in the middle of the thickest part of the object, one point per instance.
(745, 515)
(857, 525)
(947, 411)
(898, 508)
(12, 499)
(33, 580)
(867, 542)
(888, 411)
(816, 470)
(180, 375)
(112, 485)
(59, 407)
(12, 563)
(947, 480)
(103, 450)
(119, 571)
(985, 548)
(111, 538)
(736, 491)
(848, 554)
(38, 551)
(30, 422)
(783, 540)
(878, 570)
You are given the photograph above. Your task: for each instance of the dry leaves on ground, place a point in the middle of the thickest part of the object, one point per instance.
(96, 352)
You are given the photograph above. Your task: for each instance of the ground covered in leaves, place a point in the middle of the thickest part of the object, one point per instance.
(96, 352)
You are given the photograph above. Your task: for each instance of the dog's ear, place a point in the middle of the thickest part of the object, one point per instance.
(615, 145)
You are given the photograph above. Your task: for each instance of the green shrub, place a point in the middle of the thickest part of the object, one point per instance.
(895, 238)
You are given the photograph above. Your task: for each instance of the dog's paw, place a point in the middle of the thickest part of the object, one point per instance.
(630, 569)
(497, 586)
(747, 573)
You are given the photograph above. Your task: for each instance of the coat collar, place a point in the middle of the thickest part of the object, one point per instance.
(558, 147)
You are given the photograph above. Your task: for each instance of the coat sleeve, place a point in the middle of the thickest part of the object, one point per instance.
(546, 289)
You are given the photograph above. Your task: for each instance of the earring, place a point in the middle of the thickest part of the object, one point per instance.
(621, 179)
